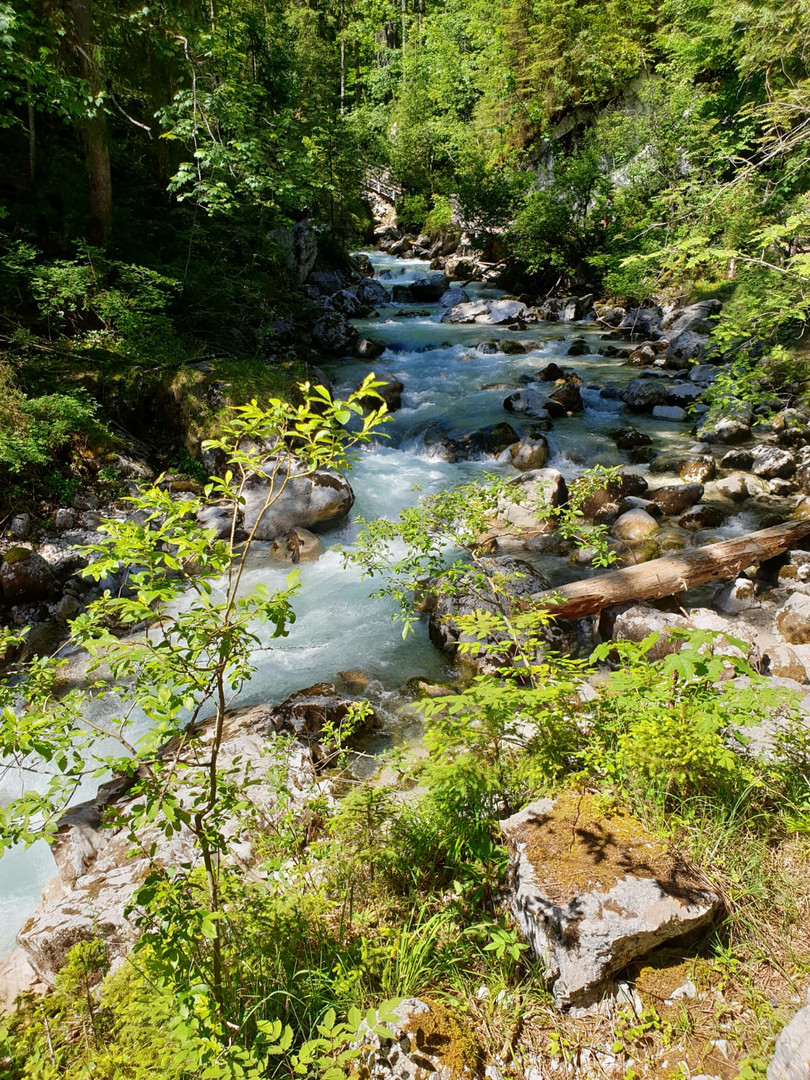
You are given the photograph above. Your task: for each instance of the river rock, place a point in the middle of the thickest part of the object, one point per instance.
(628, 438)
(318, 501)
(791, 1057)
(740, 595)
(635, 524)
(373, 293)
(644, 394)
(469, 312)
(530, 455)
(218, 518)
(390, 392)
(578, 347)
(737, 459)
(733, 427)
(703, 374)
(530, 400)
(20, 527)
(733, 487)
(506, 313)
(638, 622)
(793, 619)
(609, 496)
(783, 663)
(642, 356)
(346, 303)
(684, 348)
(642, 323)
(366, 349)
(770, 462)
(98, 875)
(533, 491)
(593, 891)
(509, 346)
(699, 317)
(698, 469)
(683, 394)
(298, 546)
(553, 373)
(334, 335)
(702, 517)
(677, 497)
(454, 296)
(669, 412)
(430, 288)
(566, 398)
(401, 294)
(25, 576)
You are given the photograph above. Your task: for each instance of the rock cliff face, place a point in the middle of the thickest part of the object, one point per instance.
(97, 872)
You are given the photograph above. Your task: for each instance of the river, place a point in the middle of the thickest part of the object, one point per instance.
(338, 626)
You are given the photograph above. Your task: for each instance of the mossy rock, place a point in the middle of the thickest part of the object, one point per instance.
(17, 555)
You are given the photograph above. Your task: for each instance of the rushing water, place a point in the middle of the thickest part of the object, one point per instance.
(338, 627)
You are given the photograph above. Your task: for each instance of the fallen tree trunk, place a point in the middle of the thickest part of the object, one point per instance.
(672, 574)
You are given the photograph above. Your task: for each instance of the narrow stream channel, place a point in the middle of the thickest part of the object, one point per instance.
(338, 626)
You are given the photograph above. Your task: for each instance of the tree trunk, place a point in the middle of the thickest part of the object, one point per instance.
(96, 144)
(672, 574)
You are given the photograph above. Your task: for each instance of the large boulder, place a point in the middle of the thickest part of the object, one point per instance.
(429, 289)
(334, 335)
(468, 312)
(25, 576)
(373, 292)
(346, 303)
(489, 441)
(635, 524)
(453, 296)
(733, 426)
(685, 348)
(677, 497)
(770, 462)
(639, 621)
(593, 890)
(698, 317)
(642, 323)
(318, 501)
(643, 395)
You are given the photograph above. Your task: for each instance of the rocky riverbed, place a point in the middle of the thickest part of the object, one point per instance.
(535, 390)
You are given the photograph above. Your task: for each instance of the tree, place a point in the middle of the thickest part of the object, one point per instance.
(183, 671)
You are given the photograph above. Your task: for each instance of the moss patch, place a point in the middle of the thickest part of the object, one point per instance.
(438, 1034)
(17, 554)
(579, 847)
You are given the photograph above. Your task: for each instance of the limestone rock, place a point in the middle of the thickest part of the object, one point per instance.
(533, 490)
(517, 579)
(373, 292)
(528, 456)
(770, 462)
(740, 595)
(366, 349)
(430, 288)
(530, 401)
(97, 873)
(784, 663)
(467, 312)
(628, 438)
(706, 516)
(592, 892)
(390, 392)
(644, 394)
(20, 526)
(453, 296)
(298, 546)
(791, 1058)
(734, 427)
(640, 621)
(25, 576)
(669, 412)
(334, 335)
(634, 525)
(218, 518)
(684, 347)
(733, 487)
(698, 317)
(346, 303)
(642, 323)
(425, 1042)
(318, 501)
(489, 441)
(677, 497)
(793, 619)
